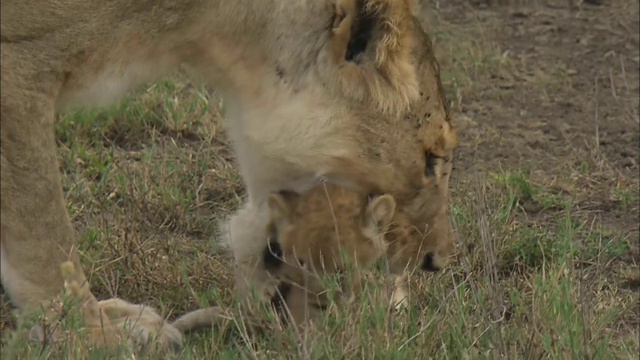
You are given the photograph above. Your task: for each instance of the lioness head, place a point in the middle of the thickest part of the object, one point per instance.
(357, 100)
(406, 150)
(394, 134)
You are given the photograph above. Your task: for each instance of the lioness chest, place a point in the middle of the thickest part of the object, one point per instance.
(287, 147)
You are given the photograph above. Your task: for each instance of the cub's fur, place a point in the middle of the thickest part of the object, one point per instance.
(345, 89)
(329, 230)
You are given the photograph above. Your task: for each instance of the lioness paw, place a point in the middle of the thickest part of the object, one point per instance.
(109, 323)
(112, 322)
(140, 323)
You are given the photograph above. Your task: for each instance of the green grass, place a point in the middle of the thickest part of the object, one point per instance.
(535, 276)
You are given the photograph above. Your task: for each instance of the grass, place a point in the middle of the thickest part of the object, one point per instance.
(536, 276)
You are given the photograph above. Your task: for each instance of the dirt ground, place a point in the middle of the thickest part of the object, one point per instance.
(566, 103)
(561, 104)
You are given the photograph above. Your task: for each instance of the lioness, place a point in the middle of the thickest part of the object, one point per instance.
(343, 89)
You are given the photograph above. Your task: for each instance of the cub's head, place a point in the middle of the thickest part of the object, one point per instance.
(329, 230)
(333, 230)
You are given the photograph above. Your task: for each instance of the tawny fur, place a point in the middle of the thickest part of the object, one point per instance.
(296, 110)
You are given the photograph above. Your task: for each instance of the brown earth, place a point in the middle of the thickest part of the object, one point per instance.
(562, 106)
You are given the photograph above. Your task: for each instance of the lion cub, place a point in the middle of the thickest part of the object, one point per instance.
(332, 230)
(329, 230)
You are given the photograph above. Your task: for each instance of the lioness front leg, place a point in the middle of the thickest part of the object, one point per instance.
(36, 236)
(246, 236)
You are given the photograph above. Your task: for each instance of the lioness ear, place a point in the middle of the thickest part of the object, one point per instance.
(352, 29)
(380, 211)
(281, 205)
(354, 23)
(369, 53)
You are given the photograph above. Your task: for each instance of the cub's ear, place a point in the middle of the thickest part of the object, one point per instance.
(380, 211)
(281, 205)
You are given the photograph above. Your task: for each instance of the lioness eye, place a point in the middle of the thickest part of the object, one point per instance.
(430, 165)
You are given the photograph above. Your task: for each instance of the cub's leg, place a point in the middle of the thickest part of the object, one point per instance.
(36, 235)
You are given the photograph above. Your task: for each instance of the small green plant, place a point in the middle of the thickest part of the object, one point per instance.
(530, 248)
(519, 187)
(625, 197)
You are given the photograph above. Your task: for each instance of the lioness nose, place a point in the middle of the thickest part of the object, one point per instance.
(428, 263)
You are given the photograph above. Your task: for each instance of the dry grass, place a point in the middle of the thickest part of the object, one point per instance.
(539, 272)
